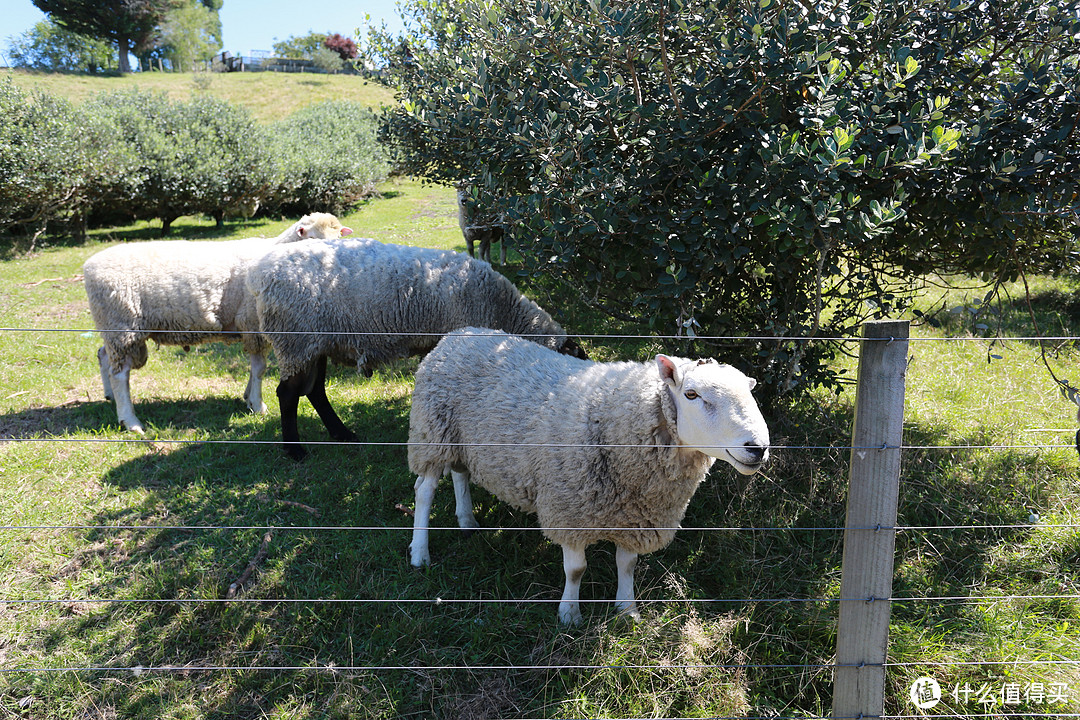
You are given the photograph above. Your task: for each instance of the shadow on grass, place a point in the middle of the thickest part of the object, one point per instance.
(400, 647)
(14, 246)
(182, 229)
(91, 416)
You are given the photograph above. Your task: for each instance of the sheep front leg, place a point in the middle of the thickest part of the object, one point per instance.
(425, 493)
(288, 393)
(103, 366)
(463, 498)
(125, 411)
(574, 566)
(316, 395)
(626, 561)
(253, 392)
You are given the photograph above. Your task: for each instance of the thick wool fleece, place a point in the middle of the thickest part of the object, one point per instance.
(369, 302)
(181, 292)
(575, 416)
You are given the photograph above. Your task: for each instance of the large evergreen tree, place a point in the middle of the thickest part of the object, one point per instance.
(129, 24)
(47, 46)
(190, 33)
(780, 170)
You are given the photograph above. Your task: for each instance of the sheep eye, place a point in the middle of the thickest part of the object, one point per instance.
(691, 395)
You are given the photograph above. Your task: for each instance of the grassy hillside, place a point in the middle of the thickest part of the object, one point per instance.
(269, 96)
(333, 622)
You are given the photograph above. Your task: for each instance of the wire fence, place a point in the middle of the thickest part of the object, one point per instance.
(1001, 708)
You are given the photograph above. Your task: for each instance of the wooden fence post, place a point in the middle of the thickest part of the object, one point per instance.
(869, 538)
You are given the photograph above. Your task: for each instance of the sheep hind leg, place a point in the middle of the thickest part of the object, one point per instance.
(253, 392)
(311, 383)
(462, 496)
(574, 566)
(419, 554)
(625, 562)
(125, 410)
(103, 366)
(316, 395)
(289, 391)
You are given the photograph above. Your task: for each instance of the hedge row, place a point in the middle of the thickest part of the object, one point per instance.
(129, 156)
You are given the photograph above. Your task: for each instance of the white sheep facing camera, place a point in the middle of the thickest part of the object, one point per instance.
(599, 451)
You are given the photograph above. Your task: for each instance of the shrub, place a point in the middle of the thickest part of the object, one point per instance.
(135, 155)
(54, 161)
(327, 60)
(328, 158)
(204, 156)
(36, 143)
(766, 168)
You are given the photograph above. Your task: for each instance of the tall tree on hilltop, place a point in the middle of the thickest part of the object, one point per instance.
(130, 24)
(189, 33)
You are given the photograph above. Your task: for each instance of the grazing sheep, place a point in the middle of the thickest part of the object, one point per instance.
(599, 451)
(478, 227)
(364, 302)
(180, 292)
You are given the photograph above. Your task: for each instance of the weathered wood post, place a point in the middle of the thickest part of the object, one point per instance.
(869, 538)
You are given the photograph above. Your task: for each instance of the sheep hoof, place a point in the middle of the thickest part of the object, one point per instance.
(468, 526)
(419, 559)
(296, 451)
(261, 409)
(570, 616)
(348, 436)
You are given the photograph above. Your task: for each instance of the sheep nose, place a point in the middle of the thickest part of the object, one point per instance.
(755, 451)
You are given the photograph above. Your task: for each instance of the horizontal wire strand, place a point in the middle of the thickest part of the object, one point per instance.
(569, 446)
(591, 336)
(385, 668)
(973, 599)
(615, 666)
(504, 528)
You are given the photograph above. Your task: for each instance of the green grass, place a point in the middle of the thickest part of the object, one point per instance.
(50, 391)
(269, 96)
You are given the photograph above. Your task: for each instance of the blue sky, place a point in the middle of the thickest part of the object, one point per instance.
(249, 24)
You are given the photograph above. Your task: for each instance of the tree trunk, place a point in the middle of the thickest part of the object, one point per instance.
(123, 45)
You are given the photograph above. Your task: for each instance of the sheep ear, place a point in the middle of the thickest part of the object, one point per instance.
(301, 231)
(668, 370)
(346, 230)
(753, 382)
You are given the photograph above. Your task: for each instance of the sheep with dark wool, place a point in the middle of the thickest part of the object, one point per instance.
(364, 303)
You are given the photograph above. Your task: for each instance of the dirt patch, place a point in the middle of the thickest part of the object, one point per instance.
(75, 310)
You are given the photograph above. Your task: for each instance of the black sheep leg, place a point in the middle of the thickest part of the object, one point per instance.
(316, 395)
(312, 384)
(289, 391)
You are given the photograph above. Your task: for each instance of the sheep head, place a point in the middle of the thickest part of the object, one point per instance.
(321, 226)
(715, 412)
